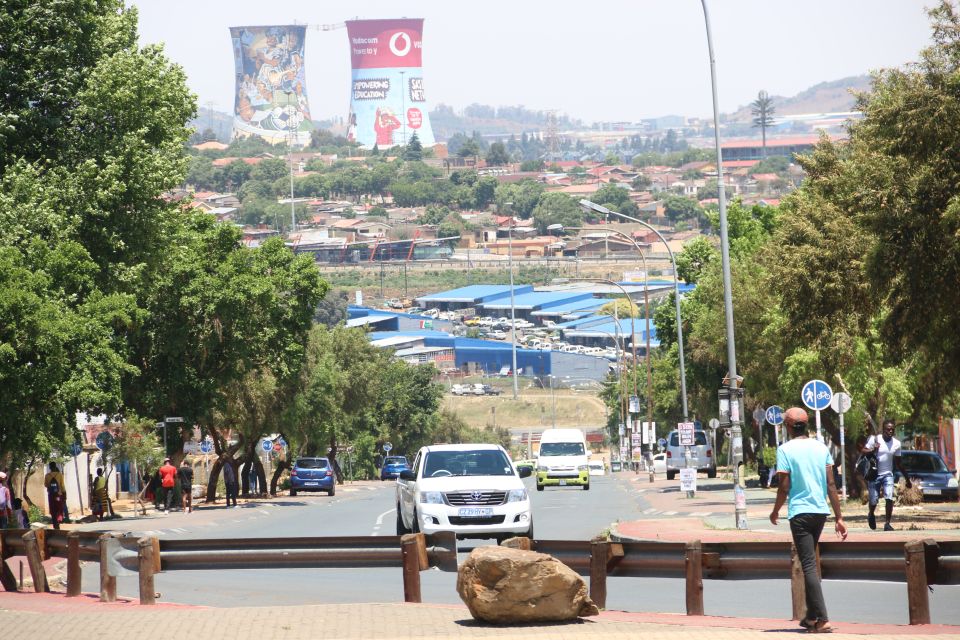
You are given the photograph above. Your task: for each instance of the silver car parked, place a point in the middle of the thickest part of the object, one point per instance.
(701, 453)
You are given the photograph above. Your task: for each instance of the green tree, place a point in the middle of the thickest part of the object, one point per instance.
(557, 208)
(679, 208)
(414, 150)
(497, 155)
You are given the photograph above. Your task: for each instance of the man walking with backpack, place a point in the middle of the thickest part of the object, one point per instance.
(805, 481)
(887, 450)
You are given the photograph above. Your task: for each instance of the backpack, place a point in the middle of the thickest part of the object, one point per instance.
(54, 486)
(867, 466)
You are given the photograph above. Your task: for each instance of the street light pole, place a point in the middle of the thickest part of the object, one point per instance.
(646, 315)
(736, 435)
(676, 294)
(513, 310)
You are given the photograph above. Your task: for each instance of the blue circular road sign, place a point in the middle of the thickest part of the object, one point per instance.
(206, 446)
(283, 443)
(816, 395)
(104, 440)
(774, 415)
(266, 445)
(75, 449)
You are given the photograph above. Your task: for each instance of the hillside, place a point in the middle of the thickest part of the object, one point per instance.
(826, 97)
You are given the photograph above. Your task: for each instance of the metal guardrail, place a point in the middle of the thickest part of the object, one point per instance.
(919, 563)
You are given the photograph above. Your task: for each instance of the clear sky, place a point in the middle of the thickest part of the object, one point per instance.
(613, 60)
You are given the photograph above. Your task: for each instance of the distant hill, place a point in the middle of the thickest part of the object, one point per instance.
(826, 97)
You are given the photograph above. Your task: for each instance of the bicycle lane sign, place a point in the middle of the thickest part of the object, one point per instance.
(816, 395)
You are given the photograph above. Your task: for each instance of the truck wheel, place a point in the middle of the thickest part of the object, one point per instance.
(401, 529)
(586, 487)
(293, 493)
(539, 487)
(712, 473)
(671, 474)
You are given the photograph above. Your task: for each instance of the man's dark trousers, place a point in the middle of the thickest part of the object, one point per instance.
(806, 529)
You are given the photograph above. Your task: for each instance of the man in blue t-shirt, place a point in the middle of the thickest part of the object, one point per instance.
(805, 477)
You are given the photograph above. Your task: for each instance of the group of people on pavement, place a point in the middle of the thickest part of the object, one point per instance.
(12, 513)
(806, 483)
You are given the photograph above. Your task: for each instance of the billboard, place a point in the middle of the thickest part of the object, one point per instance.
(271, 94)
(387, 100)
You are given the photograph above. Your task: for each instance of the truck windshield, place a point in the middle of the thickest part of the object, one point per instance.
(490, 462)
(561, 449)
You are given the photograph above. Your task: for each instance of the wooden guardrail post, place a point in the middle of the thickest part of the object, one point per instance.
(694, 566)
(108, 583)
(599, 554)
(918, 600)
(145, 556)
(410, 549)
(798, 588)
(7, 579)
(35, 560)
(73, 563)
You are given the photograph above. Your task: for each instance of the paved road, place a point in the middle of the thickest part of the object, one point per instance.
(568, 513)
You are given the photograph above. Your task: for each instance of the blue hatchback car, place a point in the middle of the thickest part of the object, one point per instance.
(392, 466)
(312, 474)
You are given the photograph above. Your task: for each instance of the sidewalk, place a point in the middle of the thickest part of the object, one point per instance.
(54, 616)
(709, 516)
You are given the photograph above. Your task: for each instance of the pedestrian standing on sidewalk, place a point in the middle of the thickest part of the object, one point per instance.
(887, 449)
(186, 486)
(229, 480)
(805, 481)
(168, 480)
(6, 501)
(100, 496)
(56, 494)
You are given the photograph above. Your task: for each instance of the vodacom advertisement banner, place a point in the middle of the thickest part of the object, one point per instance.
(387, 101)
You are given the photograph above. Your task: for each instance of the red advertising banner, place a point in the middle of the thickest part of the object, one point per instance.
(376, 44)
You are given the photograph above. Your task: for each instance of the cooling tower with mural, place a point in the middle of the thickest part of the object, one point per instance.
(271, 92)
(387, 100)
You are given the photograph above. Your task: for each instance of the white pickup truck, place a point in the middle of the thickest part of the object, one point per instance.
(473, 490)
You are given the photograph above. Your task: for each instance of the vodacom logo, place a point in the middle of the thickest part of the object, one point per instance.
(400, 44)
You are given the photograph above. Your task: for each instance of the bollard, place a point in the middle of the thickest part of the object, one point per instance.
(694, 569)
(410, 551)
(599, 554)
(32, 551)
(108, 583)
(653, 475)
(73, 564)
(918, 599)
(798, 588)
(145, 555)
(7, 579)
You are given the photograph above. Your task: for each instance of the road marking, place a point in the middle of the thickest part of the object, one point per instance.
(382, 515)
(669, 513)
(702, 514)
(649, 511)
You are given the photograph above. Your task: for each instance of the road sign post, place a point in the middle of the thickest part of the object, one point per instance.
(75, 450)
(685, 431)
(774, 417)
(840, 402)
(816, 395)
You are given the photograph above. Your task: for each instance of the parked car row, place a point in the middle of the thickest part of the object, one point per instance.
(475, 389)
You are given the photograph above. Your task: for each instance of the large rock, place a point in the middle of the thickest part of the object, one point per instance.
(504, 586)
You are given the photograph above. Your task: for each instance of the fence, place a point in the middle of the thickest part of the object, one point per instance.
(918, 563)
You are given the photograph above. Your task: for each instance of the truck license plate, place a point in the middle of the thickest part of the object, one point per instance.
(476, 513)
(563, 483)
